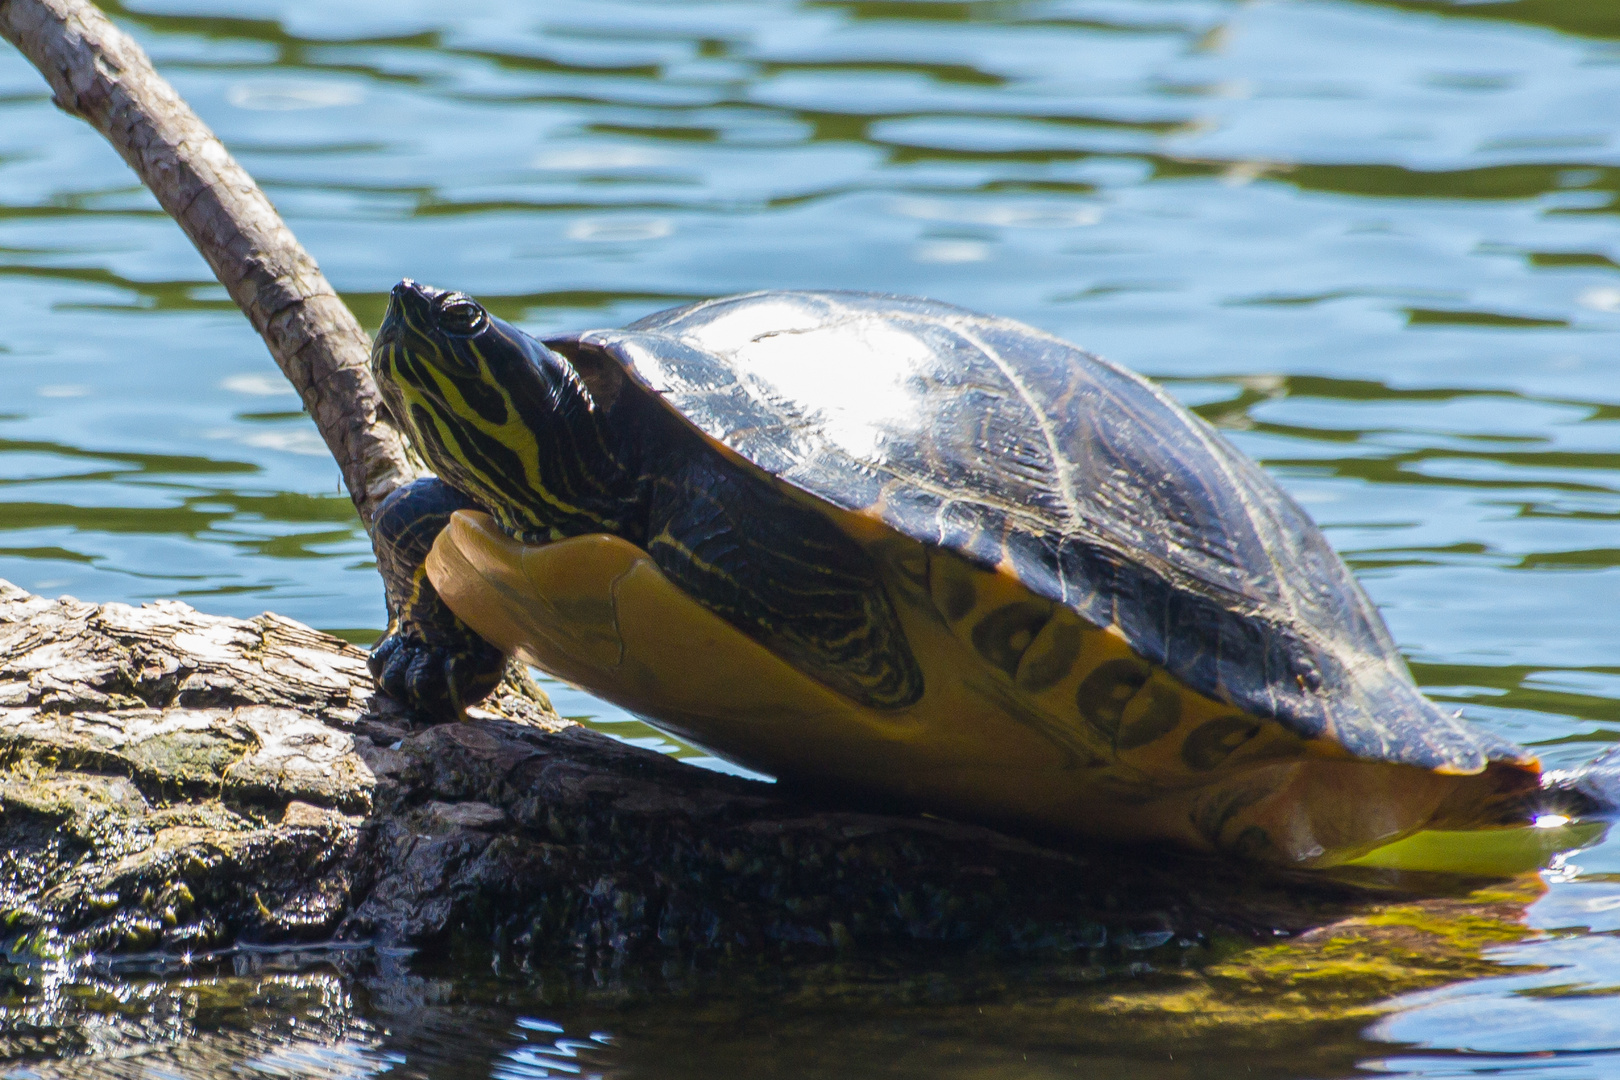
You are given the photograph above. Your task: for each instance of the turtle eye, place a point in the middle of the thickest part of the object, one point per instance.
(460, 314)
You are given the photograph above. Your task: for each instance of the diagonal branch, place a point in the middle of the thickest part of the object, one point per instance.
(99, 74)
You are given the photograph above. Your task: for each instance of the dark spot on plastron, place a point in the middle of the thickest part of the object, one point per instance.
(1252, 843)
(1161, 717)
(1057, 653)
(953, 595)
(1214, 741)
(1003, 636)
(909, 562)
(1104, 693)
(1219, 806)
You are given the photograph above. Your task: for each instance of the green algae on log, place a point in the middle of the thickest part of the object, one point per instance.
(176, 782)
(180, 793)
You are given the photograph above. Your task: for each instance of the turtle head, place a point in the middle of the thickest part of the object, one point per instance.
(441, 352)
(501, 417)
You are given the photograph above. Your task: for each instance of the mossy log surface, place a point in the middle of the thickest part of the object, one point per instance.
(179, 782)
(180, 792)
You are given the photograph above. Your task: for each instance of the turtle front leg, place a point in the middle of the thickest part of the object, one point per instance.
(430, 661)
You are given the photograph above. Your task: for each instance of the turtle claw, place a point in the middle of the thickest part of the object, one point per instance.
(436, 680)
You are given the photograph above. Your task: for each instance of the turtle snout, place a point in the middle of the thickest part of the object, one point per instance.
(413, 301)
(408, 303)
(409, 288)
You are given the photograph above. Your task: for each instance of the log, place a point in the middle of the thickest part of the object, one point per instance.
(99, 74)
(181, 782)
(184, 793)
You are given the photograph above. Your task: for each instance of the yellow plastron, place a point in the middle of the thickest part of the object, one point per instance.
(596, 612)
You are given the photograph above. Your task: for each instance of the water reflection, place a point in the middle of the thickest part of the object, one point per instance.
(1593, 17)
(1279, 1011)
(1375, 242)
(1560, 1020)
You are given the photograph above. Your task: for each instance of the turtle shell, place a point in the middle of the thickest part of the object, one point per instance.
(1018, 451)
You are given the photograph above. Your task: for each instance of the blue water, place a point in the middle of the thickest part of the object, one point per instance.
(1376, 242)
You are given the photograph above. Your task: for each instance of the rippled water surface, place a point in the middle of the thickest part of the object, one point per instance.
(1376, 242)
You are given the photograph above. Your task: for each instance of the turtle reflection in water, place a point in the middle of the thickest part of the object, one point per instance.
(893, 546)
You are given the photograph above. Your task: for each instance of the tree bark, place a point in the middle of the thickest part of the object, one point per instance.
(98, 73)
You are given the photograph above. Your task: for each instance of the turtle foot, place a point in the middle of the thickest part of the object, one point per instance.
(1591, 790)
(436, 679)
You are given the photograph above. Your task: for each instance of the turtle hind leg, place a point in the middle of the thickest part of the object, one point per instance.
(429, 661)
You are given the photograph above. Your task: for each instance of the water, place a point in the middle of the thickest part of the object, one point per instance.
(1376, 242)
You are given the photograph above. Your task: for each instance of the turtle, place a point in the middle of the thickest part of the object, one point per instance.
(892, 549)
